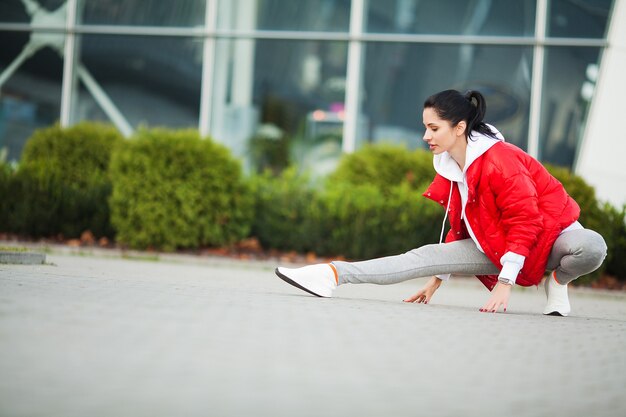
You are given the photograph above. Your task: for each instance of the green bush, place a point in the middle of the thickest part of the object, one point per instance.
(355, 221)
(62, 184)
(604, 219)
(385, 165)
(615, 233)
(363, 222)
(284, 205)
(5, 178)
(172, 189)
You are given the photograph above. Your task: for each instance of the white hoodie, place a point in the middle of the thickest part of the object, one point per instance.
(447, 167)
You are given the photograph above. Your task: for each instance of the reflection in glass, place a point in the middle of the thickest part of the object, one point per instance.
(452, 17)
(148, 80)
(33, 11)
(142, 12)
(30, 86)
(309, 15)
(569, 80)
(288, 92)
(399, 77)
(578, 18)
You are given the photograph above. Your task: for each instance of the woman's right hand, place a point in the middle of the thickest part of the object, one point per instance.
(425, 294)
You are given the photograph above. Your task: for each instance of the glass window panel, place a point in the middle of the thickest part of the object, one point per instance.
(142, 12)
(48, 12)
(30, 86)
(277, 101)
(578, 18)
(569, 82)
(452, 17)
(397, 82)
(149, 80)
(309, 15)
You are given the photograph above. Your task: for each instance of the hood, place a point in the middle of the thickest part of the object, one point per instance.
(477, 145)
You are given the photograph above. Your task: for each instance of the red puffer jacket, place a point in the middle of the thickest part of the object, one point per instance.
(513, 204)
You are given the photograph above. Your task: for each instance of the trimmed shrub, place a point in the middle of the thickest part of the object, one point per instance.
(604, 219)
(355, 221)
(591, 215)
(385, 165)
(5, 178)
(284, 205)
(62, 184)
(615, 233)
(363, 222)
(172, 189)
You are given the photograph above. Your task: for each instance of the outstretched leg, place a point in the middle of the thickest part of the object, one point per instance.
(460, 257)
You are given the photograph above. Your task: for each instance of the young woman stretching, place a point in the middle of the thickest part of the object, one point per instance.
(510, 219)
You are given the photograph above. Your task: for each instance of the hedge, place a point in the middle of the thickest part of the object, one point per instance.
(172, 189)
(355, 221)
(384, 166)
(603, 218)
(61, 185)
(283, 207)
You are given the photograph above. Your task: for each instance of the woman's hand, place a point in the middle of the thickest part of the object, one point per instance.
(425, 294)
(499, 297)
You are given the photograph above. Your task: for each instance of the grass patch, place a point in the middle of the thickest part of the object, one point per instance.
(13, 249)
(152, 258)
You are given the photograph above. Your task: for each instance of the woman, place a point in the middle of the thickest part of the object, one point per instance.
(510, 219)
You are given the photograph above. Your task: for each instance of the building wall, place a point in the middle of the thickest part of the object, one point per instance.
(319, 76)
(603, 150)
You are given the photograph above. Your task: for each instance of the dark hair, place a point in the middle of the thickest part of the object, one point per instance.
(454, 107)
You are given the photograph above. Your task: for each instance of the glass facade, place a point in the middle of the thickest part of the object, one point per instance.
(30, 86)
(397, 82)
(142, 13)
(306, 79)
(563, 107)
(285, 15)
(452, 17)
(35, 12)
(292, 88)
(145, 80)
(578, 18)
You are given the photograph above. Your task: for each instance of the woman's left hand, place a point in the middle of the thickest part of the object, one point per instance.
(499, 297)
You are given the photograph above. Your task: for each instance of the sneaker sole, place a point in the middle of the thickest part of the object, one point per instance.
(555, 313)
(295, 284)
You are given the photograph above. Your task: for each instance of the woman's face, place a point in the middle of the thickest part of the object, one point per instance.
(440, 135)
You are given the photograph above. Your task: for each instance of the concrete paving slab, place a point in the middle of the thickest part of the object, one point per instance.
(90, 336)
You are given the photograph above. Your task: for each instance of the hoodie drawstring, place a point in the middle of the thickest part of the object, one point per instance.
(443, 225)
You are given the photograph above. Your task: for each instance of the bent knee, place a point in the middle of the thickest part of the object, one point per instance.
(595, 248)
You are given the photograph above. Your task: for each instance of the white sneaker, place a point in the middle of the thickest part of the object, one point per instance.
(316, 279)
(558, 301)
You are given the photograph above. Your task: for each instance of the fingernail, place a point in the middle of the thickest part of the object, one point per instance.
(425, 302)
(493, 311)
(505, 310)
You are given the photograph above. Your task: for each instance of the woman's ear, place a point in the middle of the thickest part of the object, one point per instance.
(460, 127)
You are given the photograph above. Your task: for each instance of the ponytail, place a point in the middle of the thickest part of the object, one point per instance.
(455, 107)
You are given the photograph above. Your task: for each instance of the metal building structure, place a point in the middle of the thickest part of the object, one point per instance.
(326, 75)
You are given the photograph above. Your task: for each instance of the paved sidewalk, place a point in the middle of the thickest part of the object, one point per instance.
(90, 336)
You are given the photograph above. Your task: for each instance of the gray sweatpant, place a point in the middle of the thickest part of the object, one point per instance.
(574, 253)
